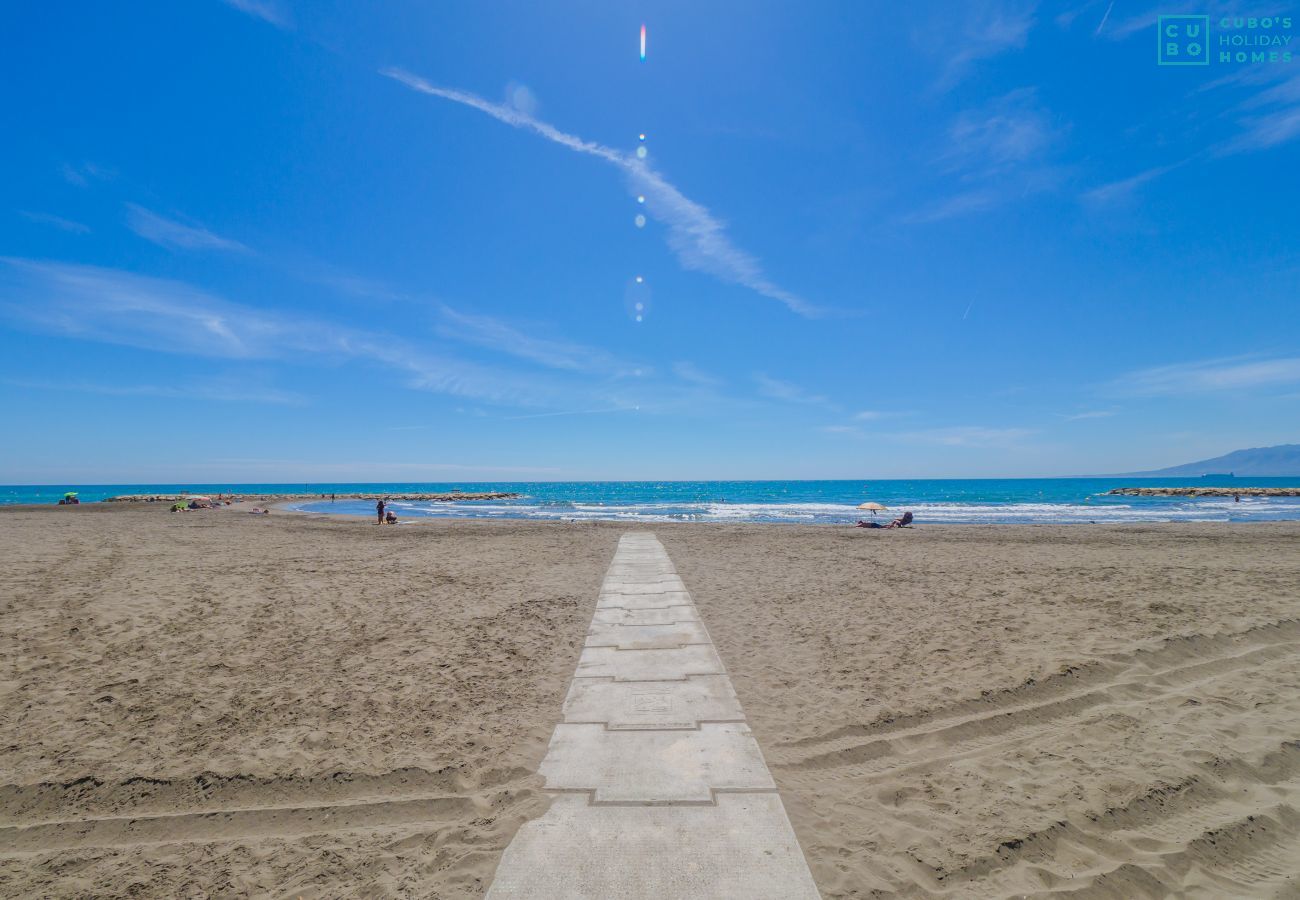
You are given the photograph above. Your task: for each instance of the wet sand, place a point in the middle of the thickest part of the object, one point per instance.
(212, 703)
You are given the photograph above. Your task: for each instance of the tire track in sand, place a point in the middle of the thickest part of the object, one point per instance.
(88, 813)
(1125, 680)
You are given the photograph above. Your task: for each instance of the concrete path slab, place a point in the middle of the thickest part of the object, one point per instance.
(741, 849)
(646, 637)
(642, 584)
(653, 704)
(660, 790)
(666, 615)
(643, 601)
(635, 575)
(655, 766)
(649, 665)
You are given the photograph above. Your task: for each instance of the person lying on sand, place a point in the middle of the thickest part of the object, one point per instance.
(903, 521)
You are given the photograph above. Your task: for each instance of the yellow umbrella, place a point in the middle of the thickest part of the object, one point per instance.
(874, 507)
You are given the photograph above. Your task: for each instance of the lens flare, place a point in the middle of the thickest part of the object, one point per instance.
(640, 221)
(640, 152)
(642, 43)
(638, 301)
(640, 198)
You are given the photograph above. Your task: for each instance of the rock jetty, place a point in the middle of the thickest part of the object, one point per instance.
(1206, 491)
(445, 497)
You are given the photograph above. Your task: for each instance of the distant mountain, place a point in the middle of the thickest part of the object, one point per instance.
(1258, 462)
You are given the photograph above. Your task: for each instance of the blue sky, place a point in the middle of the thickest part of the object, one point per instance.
(262, 240)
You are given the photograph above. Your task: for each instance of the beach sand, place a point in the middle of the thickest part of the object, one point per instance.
(216, 704)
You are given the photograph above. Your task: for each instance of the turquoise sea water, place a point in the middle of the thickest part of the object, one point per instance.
(1021, 500)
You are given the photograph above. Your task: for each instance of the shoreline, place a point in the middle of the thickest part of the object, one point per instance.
(651, 525)
(438, 497)
(283, 507)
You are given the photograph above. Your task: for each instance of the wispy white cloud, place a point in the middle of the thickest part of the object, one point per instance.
(996, 153)
(267, 11)
(1123, 190)
(1005, 132)
(574, 412)
(786, 392)
(960, 204)
(1088, 414)
(1265, 113)
(494, 334)
(362, 470)
(688, 371)
(111, 306)
(969, 436)
(56, 221)
(82, 174)
(1141, 18)
(520, 340)
(342, 281)
(969, 33)
(861, 417)
(1209, 376)
(230, 391)
(698, 238)
(172, 234)
(1268, 117)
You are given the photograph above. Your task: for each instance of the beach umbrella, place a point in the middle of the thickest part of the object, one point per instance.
(874, 507)
(69, 495)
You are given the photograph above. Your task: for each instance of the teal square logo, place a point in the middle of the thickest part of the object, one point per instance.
(1183, 41)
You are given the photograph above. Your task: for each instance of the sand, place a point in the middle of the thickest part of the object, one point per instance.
(216, 704)
(998, 711)
(323, 708)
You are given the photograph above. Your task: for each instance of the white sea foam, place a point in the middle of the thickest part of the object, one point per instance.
(1119, 512)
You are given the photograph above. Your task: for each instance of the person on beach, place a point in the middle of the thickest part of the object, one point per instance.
(902, 521)
(390, 517)
(379, 511)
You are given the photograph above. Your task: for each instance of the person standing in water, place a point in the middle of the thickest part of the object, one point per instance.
(379, 510)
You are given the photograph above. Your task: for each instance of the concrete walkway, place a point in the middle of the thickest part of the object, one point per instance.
(660, 788)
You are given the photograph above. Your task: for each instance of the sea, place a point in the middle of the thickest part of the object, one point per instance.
(967, 501)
